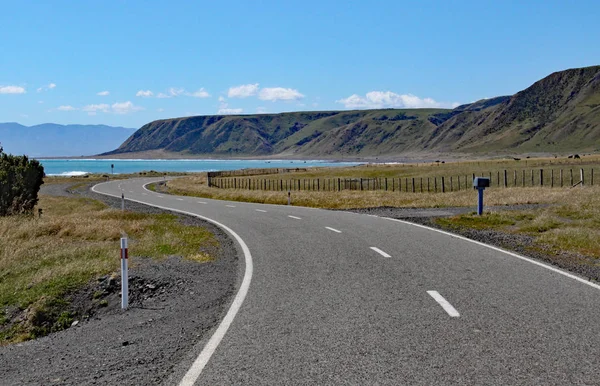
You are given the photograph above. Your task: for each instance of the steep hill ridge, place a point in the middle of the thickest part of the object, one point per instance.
(560, 113)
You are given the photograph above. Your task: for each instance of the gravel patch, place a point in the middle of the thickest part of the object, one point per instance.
(174, 304)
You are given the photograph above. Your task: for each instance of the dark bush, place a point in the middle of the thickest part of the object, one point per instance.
(20, 181)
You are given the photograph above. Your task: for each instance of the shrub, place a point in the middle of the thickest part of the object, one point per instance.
(20, 181)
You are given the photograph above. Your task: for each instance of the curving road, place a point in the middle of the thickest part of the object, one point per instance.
(344, 298)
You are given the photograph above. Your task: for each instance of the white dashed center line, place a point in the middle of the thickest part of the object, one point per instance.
(333, 230)
(201, 202)
(144, 194)
(230, 206)
(444, 303)
(180, 199)
(160, 196)
(260, 210)
(297, 218)
(382, 253)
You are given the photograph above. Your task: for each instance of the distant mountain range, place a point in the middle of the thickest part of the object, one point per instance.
(49, 139)
(558, 114)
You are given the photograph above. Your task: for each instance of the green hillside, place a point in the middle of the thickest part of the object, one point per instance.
(560, 113)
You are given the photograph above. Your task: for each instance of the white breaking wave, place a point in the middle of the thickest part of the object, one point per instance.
(70, 174)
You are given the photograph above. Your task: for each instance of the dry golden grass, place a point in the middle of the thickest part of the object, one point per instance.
(77, 239)
(345, 199)
(571, 223)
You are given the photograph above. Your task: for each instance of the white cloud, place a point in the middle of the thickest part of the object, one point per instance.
(66, 108)
(160, 109)
(94, 109)
(388, 99)
(261, 110)
(46, 88)
(243, 91)
(144, 94)
(175, 91)
(279, 93)
(12, 90)
(199, 94)
(103, 93)
(227, 111)
(125, 108)
(221, 99)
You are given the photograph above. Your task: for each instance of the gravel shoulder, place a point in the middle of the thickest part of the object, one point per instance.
(175, 304)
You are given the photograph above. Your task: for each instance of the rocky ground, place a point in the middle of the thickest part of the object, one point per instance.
(173, 304)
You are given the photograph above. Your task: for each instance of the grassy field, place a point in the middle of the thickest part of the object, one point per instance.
(76, 240)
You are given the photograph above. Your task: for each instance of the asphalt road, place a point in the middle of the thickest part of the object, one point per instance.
(346, 298)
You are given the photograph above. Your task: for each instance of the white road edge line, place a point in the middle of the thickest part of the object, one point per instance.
(444, 303)
(382, 253)
(333, 230)
(196, 369)
(260, 210)
(230, 206)
(180, 199)
(160, 196)
(201, 202)
(527, 259)
(297, 218)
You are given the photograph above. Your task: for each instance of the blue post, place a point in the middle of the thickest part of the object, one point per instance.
(480, 201)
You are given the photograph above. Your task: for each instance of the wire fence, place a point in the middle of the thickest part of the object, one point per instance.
(506, 178)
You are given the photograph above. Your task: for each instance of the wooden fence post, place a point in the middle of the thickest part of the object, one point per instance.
(427, 184)
(532, 182)
(582, 177)
(523, 178)
(541, 177)
(571, 170)
(386, 184)
(505, 179)
(406, 184)
(413, 184)
(435, 184)
(561, 178)
(498, 179)
(515, 180)
(421, 184)
(361, 184)
(592, 177)
(443, 185)
(451, 185)
(551, 178)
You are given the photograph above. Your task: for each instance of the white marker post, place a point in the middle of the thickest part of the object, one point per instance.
(124, 275)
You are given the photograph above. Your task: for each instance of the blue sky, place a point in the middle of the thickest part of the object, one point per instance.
(130, 62)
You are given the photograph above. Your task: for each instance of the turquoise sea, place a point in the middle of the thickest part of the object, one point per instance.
(75, 167)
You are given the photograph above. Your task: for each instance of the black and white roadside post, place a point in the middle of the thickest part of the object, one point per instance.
(124, 275)
(480, 183)
(122, 201)
(112, 168)
(289, 197)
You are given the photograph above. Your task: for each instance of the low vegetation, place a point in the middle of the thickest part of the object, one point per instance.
(43, 260)
(571, 223)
